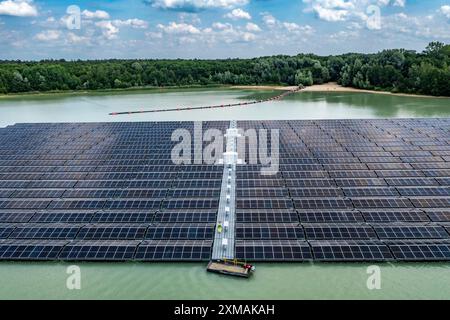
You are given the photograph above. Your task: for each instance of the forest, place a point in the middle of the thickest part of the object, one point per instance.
(398, 70)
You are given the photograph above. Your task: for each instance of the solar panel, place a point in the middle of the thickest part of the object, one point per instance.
(411, 232)
(24, 204)
(174, 250)
(431, 202)
(45, 231)
(266, 216)
(421, 251)
(62, 217)
(99, 250)
(381, 203)
(330, 216)
(180, 232)
(190, 204)
(350, 251)
(370, 192)
(338, 232)
(112, 232)
(322, 203)
(37, 193)
(132, 204)
(186, 216)
(394, 215)
(424, 192)
(89, 193)
(269, 232)
(315, 193)
(123, 216)
(14, 249)
(5, 230)
(15, 216)
(439, 215)
(5, 193)
(262, 193)
(285, 250)
(263, 203)
(194, 193)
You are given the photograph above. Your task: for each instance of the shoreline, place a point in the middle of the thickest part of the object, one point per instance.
(326, 88)
(334, 87)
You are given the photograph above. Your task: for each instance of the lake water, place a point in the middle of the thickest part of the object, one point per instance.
(191, 281)
(306, 105)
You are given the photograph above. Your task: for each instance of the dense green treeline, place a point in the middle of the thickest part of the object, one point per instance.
(399, 70)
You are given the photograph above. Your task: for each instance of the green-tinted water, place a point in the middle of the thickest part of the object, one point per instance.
(306, 105)
(191, 281)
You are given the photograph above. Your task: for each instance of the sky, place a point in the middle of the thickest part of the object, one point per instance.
(93, 29)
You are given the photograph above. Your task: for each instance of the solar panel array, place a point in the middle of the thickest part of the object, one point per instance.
(346, 190)
(104, 192)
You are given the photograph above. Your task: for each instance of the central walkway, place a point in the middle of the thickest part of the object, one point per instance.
(223, 247)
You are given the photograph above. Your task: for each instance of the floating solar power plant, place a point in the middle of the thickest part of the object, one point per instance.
(66, 216)
(330, 216)
(180, 232)
(6, 230)
(123, 216)
(339, 232)
(54, 231)
(16, 216)
(159, 250)
(439, 215)
(186, 216)
(394, 215)
(269, 231)
(350, 250)
(413, 232)
(112, 232)
(346, 184)
(16, 249)
(266, 216)
(99, 250)
(273, 250)
(434, 250)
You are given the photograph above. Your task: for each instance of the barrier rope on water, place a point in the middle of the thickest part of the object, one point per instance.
(278, 97)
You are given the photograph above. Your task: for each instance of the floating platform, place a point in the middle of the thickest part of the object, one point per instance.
(228, 268)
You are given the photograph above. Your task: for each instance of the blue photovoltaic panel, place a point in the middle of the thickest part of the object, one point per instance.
(350, 251)
(99, 250)
(174, 250)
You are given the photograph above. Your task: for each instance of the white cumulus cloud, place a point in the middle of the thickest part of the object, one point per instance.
(344, 10)
(252, 27)
(445, 10)
(134, 23)
(109, 30)
(178, 28)
(18, 8)
(98, 14)
(48, 35)
(195, 5)
(238, 14)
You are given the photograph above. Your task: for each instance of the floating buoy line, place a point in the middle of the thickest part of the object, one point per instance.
(278, 97)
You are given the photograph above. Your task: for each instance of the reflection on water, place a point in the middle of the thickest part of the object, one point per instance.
(304, 105)
(380, 105)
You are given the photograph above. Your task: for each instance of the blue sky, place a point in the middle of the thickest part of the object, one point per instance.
(93, 29)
